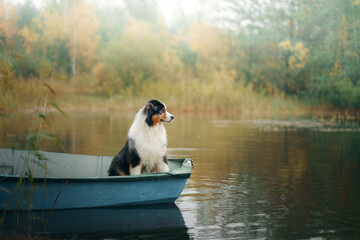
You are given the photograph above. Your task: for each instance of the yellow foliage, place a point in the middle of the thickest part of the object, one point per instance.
(335, 69)
(45, 69)
(53, 25)
(141, 51)
(81, 30)
(298, 54)
(139, 35)
(208, 42)
(8, 25)
(286, 45)
(106, 82)
(144, 52)
(344, 35)
(31, 39)
(43, 30)
(172, 64)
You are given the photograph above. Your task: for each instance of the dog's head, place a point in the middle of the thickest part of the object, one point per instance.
(155, 112)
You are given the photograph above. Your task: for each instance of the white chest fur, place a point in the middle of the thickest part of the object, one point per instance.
(150, 142)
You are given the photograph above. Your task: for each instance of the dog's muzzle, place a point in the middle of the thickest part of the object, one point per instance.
(169, 117)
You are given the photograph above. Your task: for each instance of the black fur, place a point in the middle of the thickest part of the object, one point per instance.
(121, 162)
(165, 159)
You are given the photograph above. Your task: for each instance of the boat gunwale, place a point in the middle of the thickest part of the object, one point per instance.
(162, 176)
(179, 173)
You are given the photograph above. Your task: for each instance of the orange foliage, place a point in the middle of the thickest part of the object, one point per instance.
(8, 26)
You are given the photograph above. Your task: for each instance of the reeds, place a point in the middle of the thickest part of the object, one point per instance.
(25, 184)
(220, 94)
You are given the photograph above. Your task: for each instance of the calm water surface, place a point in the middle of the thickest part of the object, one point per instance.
(255, 178)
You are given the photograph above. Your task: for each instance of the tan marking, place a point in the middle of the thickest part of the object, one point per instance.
(162, 117)
(131, 166)
(155, 119)
(120, 172)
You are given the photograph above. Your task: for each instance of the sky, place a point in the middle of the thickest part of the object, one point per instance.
(167, 8)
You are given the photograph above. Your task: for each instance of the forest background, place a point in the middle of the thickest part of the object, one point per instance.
(247, 55)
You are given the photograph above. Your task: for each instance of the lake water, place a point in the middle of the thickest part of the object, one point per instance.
(277, 177)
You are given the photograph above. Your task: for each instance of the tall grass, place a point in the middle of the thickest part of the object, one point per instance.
(22, 94)
(220, 94)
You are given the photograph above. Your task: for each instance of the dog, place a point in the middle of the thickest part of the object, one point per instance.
(145, 148)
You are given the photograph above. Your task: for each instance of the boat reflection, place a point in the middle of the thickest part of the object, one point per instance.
(154, 221)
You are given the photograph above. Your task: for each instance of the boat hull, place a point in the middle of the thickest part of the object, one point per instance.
(71, 192)
(81, 194)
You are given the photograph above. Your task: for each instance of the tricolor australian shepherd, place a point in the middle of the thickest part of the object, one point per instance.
(145, 149)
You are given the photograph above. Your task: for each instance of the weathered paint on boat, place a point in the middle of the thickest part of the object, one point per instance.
(79, 181)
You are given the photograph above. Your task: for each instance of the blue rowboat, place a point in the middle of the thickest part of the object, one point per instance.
(45, 180)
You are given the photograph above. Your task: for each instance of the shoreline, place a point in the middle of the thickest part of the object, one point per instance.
(203, 111)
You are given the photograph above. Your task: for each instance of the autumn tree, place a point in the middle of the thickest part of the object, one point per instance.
(142, 53)
(80, 26)
(8, 24)
(303, 49)
(212, 48)
(294, 60)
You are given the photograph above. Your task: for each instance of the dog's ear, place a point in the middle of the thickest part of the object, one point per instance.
(150, 105)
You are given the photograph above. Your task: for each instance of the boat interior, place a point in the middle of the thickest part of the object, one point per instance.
(57, 165)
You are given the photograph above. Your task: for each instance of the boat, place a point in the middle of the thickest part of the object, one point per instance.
(38, 180)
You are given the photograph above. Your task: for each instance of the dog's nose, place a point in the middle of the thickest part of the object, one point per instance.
(172, 117)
